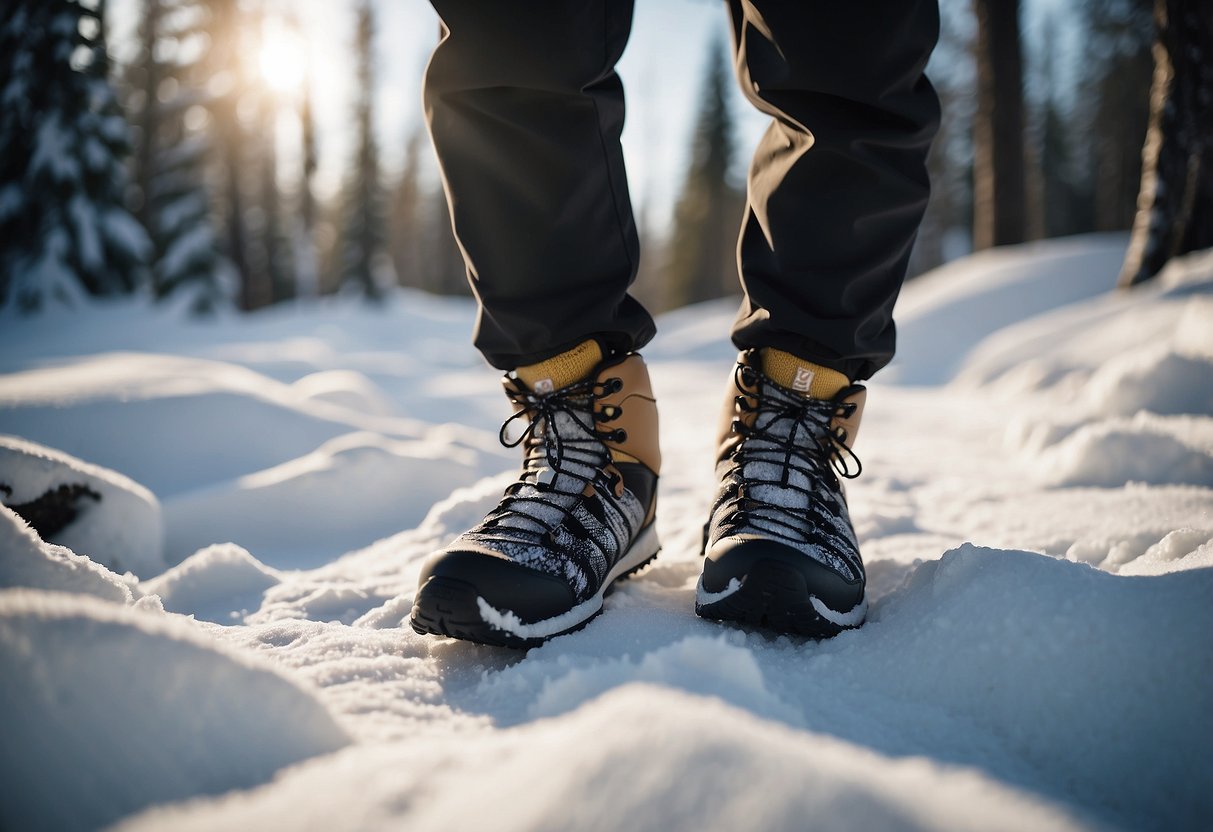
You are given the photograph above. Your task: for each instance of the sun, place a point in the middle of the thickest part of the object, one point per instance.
(283, 63)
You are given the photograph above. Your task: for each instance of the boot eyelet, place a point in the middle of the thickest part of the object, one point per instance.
(609, 413)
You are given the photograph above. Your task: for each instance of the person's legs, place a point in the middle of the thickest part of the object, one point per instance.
(838, 184)
(525, 110)
(837, 189)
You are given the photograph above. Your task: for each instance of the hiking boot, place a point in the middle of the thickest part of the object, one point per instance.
(779, 548)
(578, 518)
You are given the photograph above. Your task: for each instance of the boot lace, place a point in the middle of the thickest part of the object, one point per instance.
(790, 456)
(565, 453)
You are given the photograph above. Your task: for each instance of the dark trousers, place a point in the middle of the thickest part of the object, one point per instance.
(525, 110)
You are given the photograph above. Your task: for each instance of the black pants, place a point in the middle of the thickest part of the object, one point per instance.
(525, 110)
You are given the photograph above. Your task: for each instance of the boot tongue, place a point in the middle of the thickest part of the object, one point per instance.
(561, 370)
(802, 378)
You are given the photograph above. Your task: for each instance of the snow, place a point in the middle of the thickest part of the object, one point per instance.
(119, 708)
(346, 388)
(684, 762)
(1159, 450)
(1036, 516)
(952, 309)
(326, 491)
(119, 524)
(219, 583)
(30, 562)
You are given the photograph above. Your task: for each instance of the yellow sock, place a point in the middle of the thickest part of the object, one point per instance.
(562, 370)
(804, 377)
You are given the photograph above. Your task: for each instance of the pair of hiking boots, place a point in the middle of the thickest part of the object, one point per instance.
(779, 548)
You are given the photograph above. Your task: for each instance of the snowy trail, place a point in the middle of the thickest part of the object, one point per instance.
(1000, 683)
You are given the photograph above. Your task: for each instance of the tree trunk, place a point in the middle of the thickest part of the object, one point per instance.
(1175, 204)
(999, 192)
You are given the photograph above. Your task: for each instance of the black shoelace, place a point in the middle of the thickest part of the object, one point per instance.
(794, 434)
(549, 474)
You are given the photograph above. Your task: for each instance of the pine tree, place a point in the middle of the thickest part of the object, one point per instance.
(270, 251)
(405, 220)
(1175, 213)
(232, 162)
(362, 241)
(999, 184)
(170, 198)
(306, 259)
(702, 259)
(441, 259)
(1060, 195)
(64, 228)
(949, 215)
(1117, 83)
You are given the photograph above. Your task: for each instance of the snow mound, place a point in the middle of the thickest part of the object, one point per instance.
(1158, 380)
(221, 583)
(174, 423)
(943, 315)
(1029, 648)
(1180, 549)
(27, 561)
(1159, 328)
(696, 663)
(1159, 450)
(683, 762)
(465, 507)
(117, 709)
(1007, 661)
(346, 388)
(117, 521)
(351, 490)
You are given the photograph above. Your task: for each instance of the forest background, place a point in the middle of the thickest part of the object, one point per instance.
(241, 153)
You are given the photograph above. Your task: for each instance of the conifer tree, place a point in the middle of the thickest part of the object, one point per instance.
(999, 182)
(702, 259)
(1116, 83)
(441, 260)
(362, 255)
(170, 198)
(1060, 195)
(228, 77)
(65, 231)
(306, 260)
(1175, 205)
(405, 220)
(270, 252)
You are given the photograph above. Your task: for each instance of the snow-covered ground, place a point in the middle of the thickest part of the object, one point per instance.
(1036, 513)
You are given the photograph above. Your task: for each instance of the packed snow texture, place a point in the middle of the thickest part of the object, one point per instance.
(1036, 516)
(118, 523)
(117, 520)
(30, 562)
(110, 709)
(220, 583)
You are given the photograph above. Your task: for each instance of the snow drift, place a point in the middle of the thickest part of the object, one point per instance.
(114, 520)
(27, 561)
(683, 762)
(1036, 515)
(117, 709)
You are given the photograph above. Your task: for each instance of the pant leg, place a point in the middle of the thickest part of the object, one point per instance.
(838, 184)
(525, 111)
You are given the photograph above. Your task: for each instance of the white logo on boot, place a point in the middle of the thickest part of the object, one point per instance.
(544, 386)
(803, 381)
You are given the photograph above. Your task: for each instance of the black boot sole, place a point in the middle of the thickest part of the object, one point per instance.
(773, 596)
(451, 607)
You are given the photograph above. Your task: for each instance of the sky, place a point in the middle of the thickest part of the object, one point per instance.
(662, 70)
